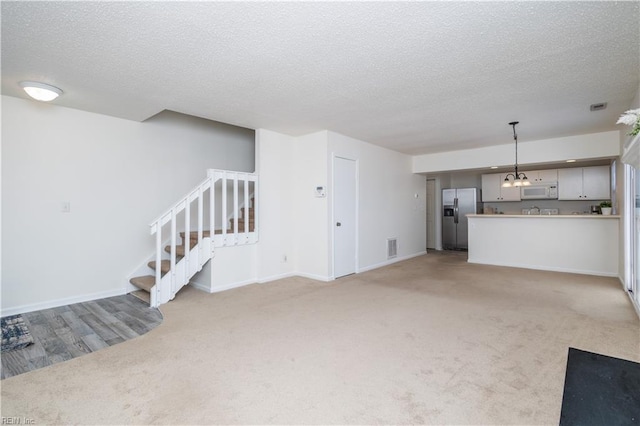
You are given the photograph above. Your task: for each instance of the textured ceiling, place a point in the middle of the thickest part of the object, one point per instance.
(417, 77)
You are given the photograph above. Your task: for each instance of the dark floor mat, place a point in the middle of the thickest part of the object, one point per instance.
(15, 333)
(600, 390)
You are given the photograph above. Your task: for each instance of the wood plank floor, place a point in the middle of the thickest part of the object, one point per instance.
(71, 331)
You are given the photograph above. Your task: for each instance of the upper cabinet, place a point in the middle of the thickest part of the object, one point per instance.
(578, 183)
(584, 183)
(492, 189)
(542, 176)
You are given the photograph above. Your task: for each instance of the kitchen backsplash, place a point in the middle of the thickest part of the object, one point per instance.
(564, 207)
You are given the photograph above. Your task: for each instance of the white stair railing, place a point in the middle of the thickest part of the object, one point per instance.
(230, 236)
(182, 270)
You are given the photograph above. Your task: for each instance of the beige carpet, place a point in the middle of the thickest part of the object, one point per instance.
(431, 340)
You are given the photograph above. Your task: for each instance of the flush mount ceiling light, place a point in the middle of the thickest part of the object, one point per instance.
(519, 179)
(40, 91)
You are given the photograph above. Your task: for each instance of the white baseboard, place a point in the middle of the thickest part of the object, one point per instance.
(294, 274)
(218, 289)
(391, 262)
(200, 286)
(325, 278)
(276, 277)
(263, 280)
(62, 302)
(229, 286)
(313, 276)
(548, 268)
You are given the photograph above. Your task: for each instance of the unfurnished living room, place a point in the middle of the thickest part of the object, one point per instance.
(320, 213)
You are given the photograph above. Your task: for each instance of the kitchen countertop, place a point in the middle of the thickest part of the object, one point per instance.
(557, 216)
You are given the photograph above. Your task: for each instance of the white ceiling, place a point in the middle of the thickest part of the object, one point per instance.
(417, 77)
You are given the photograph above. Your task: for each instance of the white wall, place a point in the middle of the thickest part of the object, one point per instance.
(118, 176)
(275, 218)
(387, 204)
(296, 223)
(466, 180)
(310, 213)
(230, 267)
(589, 146)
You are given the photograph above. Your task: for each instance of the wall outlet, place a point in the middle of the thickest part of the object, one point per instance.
(284, 259)
(65, 207)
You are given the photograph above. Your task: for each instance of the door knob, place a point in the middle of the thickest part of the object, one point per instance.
(338, 224)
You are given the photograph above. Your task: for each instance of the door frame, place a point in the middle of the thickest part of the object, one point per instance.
(631, 233)
(332, 219)
(431, 204)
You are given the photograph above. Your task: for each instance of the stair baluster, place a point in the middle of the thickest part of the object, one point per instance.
(172, 274)
(187, 244)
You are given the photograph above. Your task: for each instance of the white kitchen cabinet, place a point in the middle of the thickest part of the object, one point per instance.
(492, 190)
(542, 176)
(570, 184)
(596, 182)
(584, 183)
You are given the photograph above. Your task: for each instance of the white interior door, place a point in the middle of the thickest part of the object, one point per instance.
(344, 217)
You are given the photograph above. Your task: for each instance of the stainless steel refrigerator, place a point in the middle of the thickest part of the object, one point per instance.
(456, 205)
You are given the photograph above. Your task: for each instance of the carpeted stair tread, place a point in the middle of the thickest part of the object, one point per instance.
(240, 229)
(142, 295)
(241, 225)
(180, 248)
(165, 265)
(145, 282)
(193, 235)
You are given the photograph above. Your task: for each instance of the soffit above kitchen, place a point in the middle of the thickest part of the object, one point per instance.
(415, 77)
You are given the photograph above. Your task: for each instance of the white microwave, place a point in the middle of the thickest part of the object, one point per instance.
(545, 191)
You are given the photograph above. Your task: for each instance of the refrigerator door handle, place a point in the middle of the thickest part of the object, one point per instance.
(455, 210)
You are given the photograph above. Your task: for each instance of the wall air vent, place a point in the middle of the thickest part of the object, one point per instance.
(598, 107)
(392, 248)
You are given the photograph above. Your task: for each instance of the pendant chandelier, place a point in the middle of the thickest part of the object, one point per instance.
(515, 178)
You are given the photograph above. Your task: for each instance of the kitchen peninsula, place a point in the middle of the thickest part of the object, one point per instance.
(583, 244)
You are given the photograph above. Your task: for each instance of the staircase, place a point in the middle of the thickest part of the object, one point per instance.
(231, 201)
